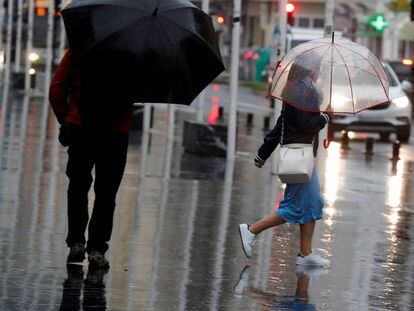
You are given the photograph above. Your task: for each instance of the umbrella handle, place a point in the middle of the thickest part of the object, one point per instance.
(327, 141)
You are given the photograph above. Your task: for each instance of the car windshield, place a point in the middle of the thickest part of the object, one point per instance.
(391, 78)
(400, 68)
(404, 72)
(295, 43)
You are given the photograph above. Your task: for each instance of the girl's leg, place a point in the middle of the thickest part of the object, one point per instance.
(306, 235)
(270, 221)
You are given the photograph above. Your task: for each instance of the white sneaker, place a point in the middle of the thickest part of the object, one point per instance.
(312, 259)
(247, 238)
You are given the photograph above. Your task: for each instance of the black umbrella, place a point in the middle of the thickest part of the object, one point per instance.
(162, 51)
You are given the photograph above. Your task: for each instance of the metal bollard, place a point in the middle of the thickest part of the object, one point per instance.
(394, 167)
(250, 119)
(33, 81)
(369, 146)
(345, 141)
(266, 123)
(221, 112)
(396, 150)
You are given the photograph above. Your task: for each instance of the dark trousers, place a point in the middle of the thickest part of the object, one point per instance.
(106, 151)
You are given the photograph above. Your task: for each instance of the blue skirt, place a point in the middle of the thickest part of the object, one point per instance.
(302, 202)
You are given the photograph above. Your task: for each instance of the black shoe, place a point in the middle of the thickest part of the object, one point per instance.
(97, 260)
(76, 254)
(95, 276)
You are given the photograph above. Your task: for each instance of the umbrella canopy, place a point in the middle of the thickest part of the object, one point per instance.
(331, 75)
(161, 51)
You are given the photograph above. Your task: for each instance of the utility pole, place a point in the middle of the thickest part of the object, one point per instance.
(234, 82)
(49, 46)
(329, 28)
(281, 50)
(18, 52)
(205, 6)
(62, 39)
(1, 23)
(29, 44)
(7, 55)
(329, 17)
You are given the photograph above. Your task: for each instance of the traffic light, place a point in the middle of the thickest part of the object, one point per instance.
(290, 10)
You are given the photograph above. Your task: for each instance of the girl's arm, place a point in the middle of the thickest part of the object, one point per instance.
(311, 122)
(271, 140)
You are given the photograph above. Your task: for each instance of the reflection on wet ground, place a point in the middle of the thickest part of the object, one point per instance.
(175, 245)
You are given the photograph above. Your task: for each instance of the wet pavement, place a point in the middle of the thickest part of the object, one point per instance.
(175, 244)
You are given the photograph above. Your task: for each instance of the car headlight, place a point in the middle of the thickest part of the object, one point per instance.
(401, 102)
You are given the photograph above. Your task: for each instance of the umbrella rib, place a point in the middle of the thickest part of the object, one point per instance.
(87, 48)
(349, 77)
(105, 5)
(183, 8)
(363, 70)
(174, 47)
(378, 76)
(338, 112)
(193, 33)
(310, 88)
(274, 86)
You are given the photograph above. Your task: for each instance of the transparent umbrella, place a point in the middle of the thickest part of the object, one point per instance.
(336, 76)
(346, 77)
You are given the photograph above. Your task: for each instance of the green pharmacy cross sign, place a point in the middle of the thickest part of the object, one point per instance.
(378, 22)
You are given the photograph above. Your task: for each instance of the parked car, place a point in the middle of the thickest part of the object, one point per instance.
(392, 117)
(404, 69)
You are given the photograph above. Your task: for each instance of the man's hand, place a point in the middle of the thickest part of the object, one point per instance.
(64, 135)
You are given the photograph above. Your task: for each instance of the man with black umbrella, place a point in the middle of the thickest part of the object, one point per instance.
(122, 52)
(98, 139)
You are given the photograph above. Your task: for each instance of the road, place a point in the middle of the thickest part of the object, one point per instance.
(175, 243)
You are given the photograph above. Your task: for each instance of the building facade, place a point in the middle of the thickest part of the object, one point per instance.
(352, 18)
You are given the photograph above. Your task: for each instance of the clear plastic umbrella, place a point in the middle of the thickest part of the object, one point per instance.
(331, 75)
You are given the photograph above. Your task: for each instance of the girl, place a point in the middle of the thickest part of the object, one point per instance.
(302, 203)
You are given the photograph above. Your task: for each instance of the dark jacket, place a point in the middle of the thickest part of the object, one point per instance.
(63, 98)
(300, 127)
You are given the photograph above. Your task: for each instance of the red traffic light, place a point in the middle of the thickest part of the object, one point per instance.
(290, 7)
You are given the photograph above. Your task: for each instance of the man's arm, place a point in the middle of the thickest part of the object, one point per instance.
(59, 90)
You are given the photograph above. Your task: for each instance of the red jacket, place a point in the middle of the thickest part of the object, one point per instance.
(64, 100)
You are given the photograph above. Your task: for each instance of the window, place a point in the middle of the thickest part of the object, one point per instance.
(304, 22)
(318, 23)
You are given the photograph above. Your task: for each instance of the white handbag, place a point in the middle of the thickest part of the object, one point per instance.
(295, 162)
